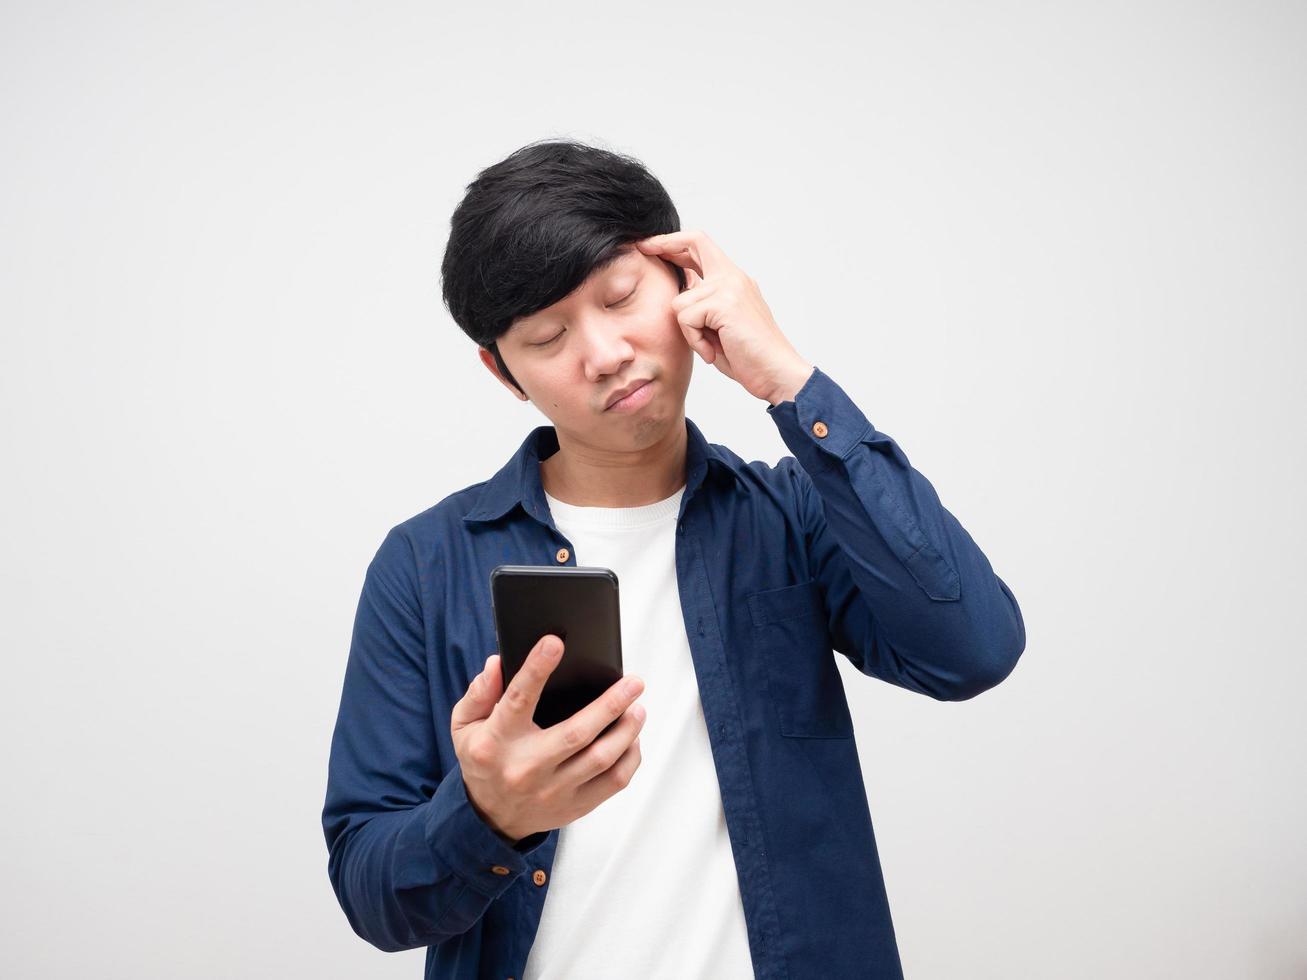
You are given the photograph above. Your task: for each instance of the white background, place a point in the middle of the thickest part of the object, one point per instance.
(1055, 250)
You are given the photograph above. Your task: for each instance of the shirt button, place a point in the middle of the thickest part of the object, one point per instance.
(819, 430)
(538, 877)
(499, 869)
(562, 556)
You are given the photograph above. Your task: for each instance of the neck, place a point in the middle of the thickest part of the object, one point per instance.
(586, 476)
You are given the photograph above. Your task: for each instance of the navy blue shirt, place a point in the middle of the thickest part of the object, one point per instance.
(842, 547)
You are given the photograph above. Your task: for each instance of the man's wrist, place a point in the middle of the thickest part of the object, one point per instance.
(503, 835)
(793, 380)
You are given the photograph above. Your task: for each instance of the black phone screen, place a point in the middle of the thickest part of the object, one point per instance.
(576, 603)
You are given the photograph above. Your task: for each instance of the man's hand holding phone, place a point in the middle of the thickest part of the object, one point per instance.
(522, 778)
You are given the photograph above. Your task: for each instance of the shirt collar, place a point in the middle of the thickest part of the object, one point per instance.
(518, 480)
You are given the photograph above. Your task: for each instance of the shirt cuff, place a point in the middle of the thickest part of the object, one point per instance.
(464, 843)
(821, 425)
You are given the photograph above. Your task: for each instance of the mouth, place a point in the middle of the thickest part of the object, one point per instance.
(634, 399)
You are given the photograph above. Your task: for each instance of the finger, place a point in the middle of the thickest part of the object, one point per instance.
(571, 735)
(692, 295)
(694, 336)
(600, 754)
(479, 699)
(693, 245)
(614, 778)
(683, 255)
(523, 693)
(694, 324)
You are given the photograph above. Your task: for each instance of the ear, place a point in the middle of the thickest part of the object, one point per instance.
(488, 359)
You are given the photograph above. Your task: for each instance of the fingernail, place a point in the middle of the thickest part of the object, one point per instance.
(638, 712)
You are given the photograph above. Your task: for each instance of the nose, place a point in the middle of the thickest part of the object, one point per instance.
(604, 347)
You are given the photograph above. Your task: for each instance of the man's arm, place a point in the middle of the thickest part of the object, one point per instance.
(409, 857)
(910, 597)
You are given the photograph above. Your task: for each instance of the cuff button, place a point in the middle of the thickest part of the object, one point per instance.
(819, 429)
(538, 877)
(499, 869)
(562, 556)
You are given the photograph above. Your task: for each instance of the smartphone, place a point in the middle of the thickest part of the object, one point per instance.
(579, 605)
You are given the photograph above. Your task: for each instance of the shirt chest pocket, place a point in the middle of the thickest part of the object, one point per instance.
(790, 636)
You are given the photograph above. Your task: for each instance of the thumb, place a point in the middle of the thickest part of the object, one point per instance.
(492, 679)
(481, 696)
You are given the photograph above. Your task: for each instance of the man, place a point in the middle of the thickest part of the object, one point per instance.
(720, 828)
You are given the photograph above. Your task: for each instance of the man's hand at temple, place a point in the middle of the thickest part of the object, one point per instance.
(726, 321)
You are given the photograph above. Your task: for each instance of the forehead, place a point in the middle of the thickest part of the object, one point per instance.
(626, 259)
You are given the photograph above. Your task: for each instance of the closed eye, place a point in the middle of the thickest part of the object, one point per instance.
(620, 302)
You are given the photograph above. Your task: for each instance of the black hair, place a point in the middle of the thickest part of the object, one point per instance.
(534, 226)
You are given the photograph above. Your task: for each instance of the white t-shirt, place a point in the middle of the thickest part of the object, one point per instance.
(644, 885)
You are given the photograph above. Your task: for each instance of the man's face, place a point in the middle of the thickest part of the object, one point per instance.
(615, 330)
